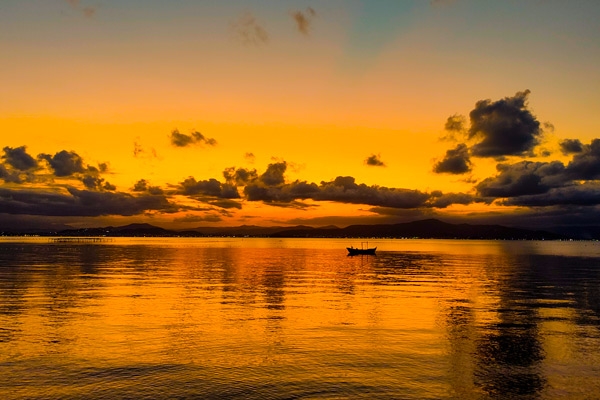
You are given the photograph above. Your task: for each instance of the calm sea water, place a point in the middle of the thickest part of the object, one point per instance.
(299, 319)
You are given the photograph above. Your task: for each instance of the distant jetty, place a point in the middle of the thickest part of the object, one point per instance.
(80, 239)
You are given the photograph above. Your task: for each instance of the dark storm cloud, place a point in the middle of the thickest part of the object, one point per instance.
(344, 189)
(504, 127)
(94, 182)
(585, 194)
(9, 176)
(249, 31)
(64, 163)
(19, 159)
(182, 140)
(284, 193)
(274, 174)
(82, 203)
(239, 176)
(523, 178)
(271, 188)
(374, 160)
(143, 186)
(304, 19)
(585, 165)
(571, 146)
(210, 187)
(456, 161)
(443, 200)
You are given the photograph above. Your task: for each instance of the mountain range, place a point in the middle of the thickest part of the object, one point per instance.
(425, 229)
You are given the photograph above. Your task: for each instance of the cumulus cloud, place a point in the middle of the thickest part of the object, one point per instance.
(64, 163)
(374, 160)
(19, 159)
(9, 176)
(523, 178)
(344, 189)
(209, 187)
(249, 31)
(571, 146)
(239, 176)
(250, 157)
(143, 186)
(182, 140)
(274, 175)
(585, 164)
(504, 128)
(456, 161)
(93, 182)
(583, 194)
(303, 20)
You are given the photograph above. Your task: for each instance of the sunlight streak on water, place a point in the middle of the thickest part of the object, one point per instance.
(289, 318)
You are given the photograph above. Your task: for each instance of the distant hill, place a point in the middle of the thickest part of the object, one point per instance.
(425, 229)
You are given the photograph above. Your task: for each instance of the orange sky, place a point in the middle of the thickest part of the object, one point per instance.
(297, 94)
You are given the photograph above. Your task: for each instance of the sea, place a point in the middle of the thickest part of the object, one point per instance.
(254, 318)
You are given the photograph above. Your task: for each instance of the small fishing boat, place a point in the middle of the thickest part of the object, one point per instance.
(353, 251)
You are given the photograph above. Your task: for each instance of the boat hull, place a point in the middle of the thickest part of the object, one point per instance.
(353, 252)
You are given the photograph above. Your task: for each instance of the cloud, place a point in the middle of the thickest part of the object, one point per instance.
(303, 20)
(9, 176)
(140, 152)
(19, 159)
(274, 174)
(344, 189)
(250, 157)
(182, 140)
(571, 146)
(456, 161)
(64, 163)
(456, 124)
(93, 182)
(248, 31)
(143, 186)
(504, 127)
(210, 187)
(375, 161)
(584, 194)
(239, 176)
(585, 164)
(80, 203)
(523, 178)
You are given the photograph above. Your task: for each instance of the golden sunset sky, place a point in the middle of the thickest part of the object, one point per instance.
(190, 113)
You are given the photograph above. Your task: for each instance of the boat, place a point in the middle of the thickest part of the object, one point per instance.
(353, 251)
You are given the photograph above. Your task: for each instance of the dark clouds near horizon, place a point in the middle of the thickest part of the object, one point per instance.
(502, 130)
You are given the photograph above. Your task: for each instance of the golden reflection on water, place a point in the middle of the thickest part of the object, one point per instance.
(298, 318)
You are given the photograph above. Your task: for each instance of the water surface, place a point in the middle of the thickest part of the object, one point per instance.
(297, 318)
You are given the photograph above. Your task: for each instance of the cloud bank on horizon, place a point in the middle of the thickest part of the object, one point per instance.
(63, 185)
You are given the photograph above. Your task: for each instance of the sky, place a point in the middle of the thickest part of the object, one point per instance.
(189, 113)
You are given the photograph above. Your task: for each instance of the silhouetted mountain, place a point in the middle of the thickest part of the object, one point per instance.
(426, 229)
